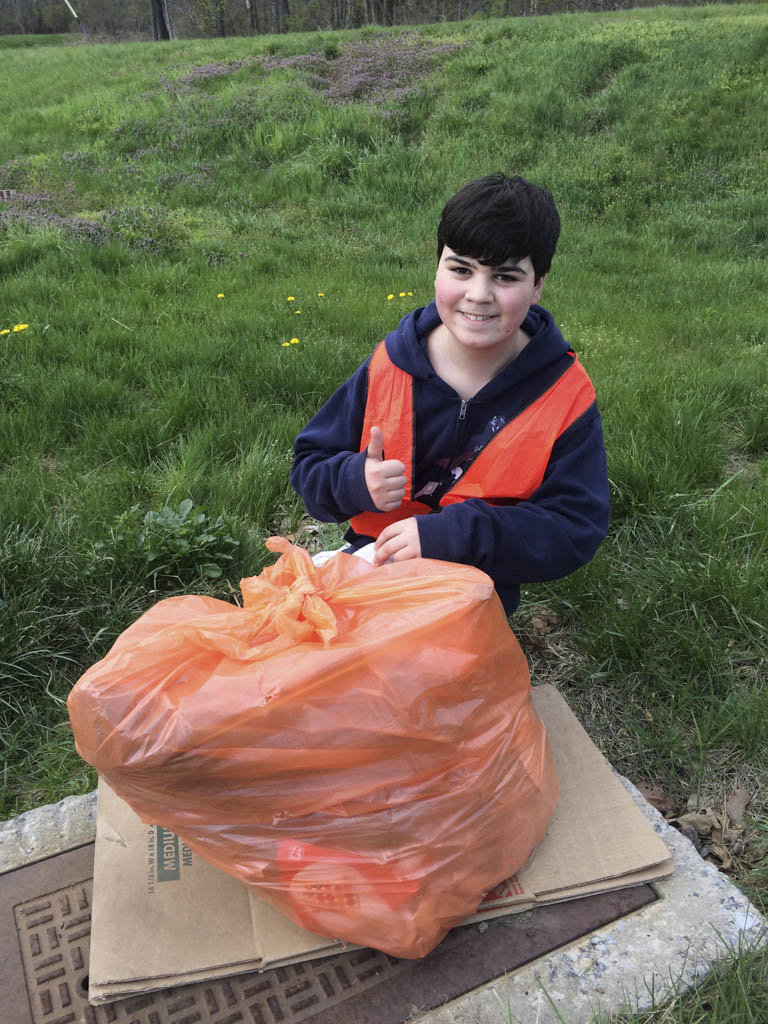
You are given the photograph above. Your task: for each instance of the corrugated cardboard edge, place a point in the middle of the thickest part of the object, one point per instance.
(108, 993)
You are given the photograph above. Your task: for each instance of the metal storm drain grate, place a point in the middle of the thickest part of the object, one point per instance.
(44, 946)
(53, 932)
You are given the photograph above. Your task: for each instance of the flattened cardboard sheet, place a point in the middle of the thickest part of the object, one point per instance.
(159, 910)
(162, 916)
(596, 834)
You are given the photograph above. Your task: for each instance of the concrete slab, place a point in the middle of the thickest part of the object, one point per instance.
(665, 948)
(48, 830)
(700, 918)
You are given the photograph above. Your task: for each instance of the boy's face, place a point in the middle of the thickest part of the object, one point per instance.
(483, 307)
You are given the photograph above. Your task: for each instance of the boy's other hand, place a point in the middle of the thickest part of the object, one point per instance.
(398, 541)
(384, 478)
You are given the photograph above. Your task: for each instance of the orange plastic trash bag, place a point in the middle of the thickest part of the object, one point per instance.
(357, 743)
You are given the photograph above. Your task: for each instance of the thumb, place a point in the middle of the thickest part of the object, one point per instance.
(376, 444)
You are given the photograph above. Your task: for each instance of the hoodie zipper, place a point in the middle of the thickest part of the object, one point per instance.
(463, 409)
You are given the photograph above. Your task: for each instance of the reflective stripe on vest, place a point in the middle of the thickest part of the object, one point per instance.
(508, 469)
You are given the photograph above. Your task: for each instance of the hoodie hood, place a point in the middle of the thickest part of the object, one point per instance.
(407, 348)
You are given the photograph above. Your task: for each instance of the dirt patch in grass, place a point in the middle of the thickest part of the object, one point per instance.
(381, 69)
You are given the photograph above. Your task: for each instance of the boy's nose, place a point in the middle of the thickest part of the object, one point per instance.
(479, 289)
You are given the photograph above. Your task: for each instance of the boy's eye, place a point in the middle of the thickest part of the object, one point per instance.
(507, 278)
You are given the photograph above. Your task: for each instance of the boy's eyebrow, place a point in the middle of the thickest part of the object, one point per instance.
(505, 267)
(510, 267)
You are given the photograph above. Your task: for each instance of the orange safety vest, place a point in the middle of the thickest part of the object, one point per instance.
(508, 469)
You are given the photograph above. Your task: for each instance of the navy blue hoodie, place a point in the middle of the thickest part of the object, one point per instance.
(555, 531)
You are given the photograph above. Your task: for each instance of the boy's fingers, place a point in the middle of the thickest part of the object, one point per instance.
(389, 498)
(397, 548)
(393, 489)
(392, 473)
(376, 444)
(391, 538)
(386, 483)
(382, 553)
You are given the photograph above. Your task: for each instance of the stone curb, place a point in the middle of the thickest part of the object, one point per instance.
(48, 830)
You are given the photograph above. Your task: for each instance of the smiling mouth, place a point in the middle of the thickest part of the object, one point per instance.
(476, 317)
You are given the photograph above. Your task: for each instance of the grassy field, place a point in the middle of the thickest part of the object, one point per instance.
(200, 240)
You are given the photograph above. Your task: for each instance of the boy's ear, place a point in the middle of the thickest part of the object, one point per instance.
(538, 288)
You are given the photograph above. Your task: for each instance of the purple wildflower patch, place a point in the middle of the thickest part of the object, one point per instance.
(34, 210)
(14, 174)
(80, 161)
(145, 229)
(204, 72)
(201, 178)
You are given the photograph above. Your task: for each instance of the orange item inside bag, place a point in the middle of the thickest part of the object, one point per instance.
(358, 743)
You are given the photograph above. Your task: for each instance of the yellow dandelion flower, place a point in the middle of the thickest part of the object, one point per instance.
(5, 330)
(297, 311)
(294, 341)
(220, 295)
(410, 293)
(286, 344)
(290, 298)
(390, 297)
(402, 295)
(321, 295)
(20, 327)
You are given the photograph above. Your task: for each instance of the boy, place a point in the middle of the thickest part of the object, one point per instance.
(475, 408)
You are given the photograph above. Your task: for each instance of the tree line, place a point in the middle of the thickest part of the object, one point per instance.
(169, 19)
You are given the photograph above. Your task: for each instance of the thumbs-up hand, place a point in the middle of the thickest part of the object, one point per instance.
(384, 478)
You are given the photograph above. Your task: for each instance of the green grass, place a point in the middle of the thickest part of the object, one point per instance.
(736, 989)
(145, 187)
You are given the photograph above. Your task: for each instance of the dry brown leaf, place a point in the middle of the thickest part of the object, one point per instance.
(656, 797)
(736, 804)
(732, 835)
(690, 834)
(703, 821)
(309, 526)
(719, 851)
(698, 801)
(738, 846)
(545, 621)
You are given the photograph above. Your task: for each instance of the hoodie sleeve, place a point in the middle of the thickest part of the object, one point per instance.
(329, 469)
(551, 534)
